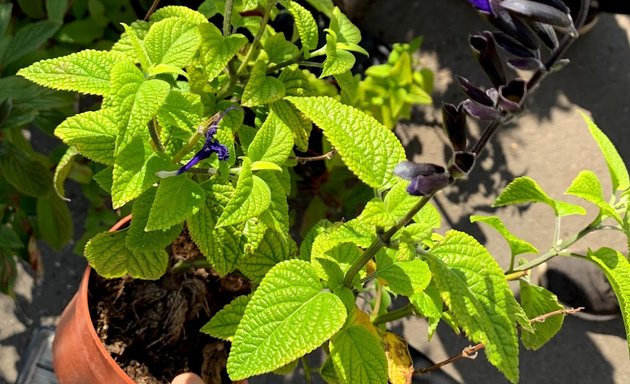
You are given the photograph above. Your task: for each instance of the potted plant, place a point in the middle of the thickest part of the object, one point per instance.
(203, 132)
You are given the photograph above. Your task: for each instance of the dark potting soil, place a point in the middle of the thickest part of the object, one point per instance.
(151, 328)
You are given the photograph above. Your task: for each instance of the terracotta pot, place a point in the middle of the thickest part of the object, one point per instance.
(79, 357)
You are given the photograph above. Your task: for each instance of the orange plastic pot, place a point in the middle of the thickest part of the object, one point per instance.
(79, 357)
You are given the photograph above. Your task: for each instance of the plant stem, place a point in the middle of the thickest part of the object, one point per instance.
(307, 370)
(152, 9)
(396, 314)
(326, 156)
(227, 18)
(185, 265)
(155, 137)
(382, 240)
(516, 275)
(261, 30)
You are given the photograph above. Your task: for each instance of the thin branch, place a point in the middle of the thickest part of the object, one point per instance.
(470, 352)
(227, 18)
(326, 156)
(152, 9)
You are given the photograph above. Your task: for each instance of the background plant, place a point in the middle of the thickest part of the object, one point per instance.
(212, 117)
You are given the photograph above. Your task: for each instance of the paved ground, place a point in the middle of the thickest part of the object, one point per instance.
(549, 143)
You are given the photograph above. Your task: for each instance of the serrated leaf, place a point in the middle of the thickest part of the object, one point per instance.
(177, 199)
(368, 148)
(336, 260)
(586, 186)
(517, 245)
(261, 89)
(224, 323)
(525, 190)
(134, 46)
(337, 60)
(358, 356)
(28, 39)
(54, 221)
(108, 254)
(296, 81)
(403, 277)
(172, 41)
(138, 239)
(272, 249)
(182, 111)
(538, 301)
(399, 363)
(250, 198)
(297, 123)
(222, 247)
(62, 170)
(23, 171)
(279, 49)
(344, 29)
(92, 133)
(428, 304)
(179, 11)
(464, 271)
(617, 270)
(306, 26)
(273, 141)
(279, 207)
(616, 166)
(288, 316)
(85, 72)
(216, 50)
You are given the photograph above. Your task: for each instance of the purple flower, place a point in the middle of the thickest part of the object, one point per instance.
(482, 5)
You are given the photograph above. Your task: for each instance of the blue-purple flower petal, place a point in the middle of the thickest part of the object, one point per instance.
(482, 5)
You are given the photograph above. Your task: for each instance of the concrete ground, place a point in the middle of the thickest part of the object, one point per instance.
(549, 143)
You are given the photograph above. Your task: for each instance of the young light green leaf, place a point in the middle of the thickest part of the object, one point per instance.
(279, 49)
(345, 31)
(272, 249)
(525, 190)
(358, 356)
(586, 186)
(54, 220)
(463, 270)
(216, 50)
(295, 120)
(403, 277)
(265, 166)
(337, 60)
(279, 207)
(172, 41)
(62, 170)
(296, 82)
(616, 166)
(92, 133)
(288, 316)
(177, 199)
(23, 171)
(250, 198)
(324, 6)
(369, 149)
(273, 141)
(132, 44)
(139, 239)
(28, 39)
(337, 258)
(428, 304)
(85, 72)
(262, 89)
(617, 270)
(108, 254)
(182, 111)
(224, 323)
(517, 246)
(306, 26)
(179, 11)
(538, 301)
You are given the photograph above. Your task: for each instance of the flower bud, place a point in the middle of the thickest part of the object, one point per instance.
(485, 51)
(480, 111)
(536, 11)
(426, 185)
(454, 122)
(512, 95)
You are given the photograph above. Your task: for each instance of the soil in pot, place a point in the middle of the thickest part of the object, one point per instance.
(151, 328)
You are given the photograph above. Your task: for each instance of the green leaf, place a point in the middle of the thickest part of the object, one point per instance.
(251, 197)
(517, 245)
(272, 249)
(475, 290)
(262, 89)
(62, 170)
(306, 26)
(93, 134)
(182, 111)
(190, 15)
(288, 316)
(8, 271)
(224, 323)
(345, 31)
(279, 207)
(216, 50)
(403, 277)
(299, 125)
(525, 190)
(617, 270)
(23, 171)
(586, 186)
(9, 239)
(56, 9)
(177, 199)
(173, 41)
(369, 149)
(139, 239)
(110, 257)
(54, 221)
(616, 166)
(428, 304)
(28, 38)
(358, 356)
(335, 261)
(5, 18)
(538, 301)
(324, 6)
(337, 60)
(279, 50)
(85, 72)
(273, 141)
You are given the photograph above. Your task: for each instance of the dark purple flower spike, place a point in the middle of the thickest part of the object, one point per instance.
(425, 178)
(512, 95)
(454, 122)
(484, 49)
(537, 11)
